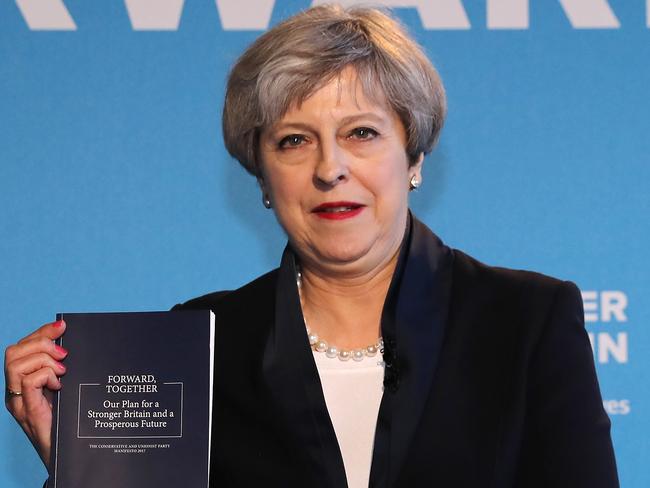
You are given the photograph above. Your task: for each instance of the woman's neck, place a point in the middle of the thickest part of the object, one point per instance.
(346, 310)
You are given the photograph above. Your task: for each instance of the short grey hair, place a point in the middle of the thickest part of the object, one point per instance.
(295, 58)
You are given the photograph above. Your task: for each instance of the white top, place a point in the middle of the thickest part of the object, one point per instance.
(352, 391)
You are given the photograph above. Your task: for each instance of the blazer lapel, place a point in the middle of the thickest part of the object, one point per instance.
(294, 385)
(413, 325)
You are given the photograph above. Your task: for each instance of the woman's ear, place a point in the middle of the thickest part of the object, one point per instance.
(266, 198)
(417, 167)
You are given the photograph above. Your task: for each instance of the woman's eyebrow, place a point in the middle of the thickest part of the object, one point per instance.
(290, 125)
(375, 117)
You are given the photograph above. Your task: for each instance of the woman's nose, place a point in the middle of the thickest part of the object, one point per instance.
(332, 167)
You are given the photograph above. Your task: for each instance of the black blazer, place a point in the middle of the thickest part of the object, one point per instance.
(489, 382)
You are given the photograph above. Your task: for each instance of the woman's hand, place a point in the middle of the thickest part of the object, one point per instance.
(32, 370)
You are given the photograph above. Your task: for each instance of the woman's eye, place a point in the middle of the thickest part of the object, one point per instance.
(293, 140)
(364, 133)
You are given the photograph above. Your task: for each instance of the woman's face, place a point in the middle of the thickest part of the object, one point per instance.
(337, 174)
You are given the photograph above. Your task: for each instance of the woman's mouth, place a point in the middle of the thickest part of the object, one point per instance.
(338, 210)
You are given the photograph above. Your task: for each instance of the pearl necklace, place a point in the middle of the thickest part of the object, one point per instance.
(330, 350)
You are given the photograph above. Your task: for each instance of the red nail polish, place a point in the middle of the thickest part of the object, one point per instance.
(61, 366)
(58, 323)
(60, 349)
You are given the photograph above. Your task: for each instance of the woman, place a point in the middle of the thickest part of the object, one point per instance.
(426, 367)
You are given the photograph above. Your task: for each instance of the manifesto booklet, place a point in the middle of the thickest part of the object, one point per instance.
(135, 407)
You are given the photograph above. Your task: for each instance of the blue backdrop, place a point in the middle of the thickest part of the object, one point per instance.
(116, 188)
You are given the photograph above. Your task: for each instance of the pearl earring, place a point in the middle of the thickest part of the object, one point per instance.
(266, 201)
(414, 183)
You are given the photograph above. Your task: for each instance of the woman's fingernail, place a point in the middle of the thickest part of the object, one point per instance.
(58, 323)
(60, 350)
(61, 366)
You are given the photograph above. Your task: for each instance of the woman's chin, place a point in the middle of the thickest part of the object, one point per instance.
(346, 255)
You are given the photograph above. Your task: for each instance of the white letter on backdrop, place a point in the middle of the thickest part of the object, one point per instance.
(435, 14)
(590, 305)
(617, 349)
(245, 14)
(507, 14)
(613, 303)
(154, 14)
(46, 15)
(583, 14)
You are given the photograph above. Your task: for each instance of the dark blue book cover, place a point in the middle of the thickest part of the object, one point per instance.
(135, 407)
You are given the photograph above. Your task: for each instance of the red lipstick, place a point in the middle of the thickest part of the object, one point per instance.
(338, 210)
